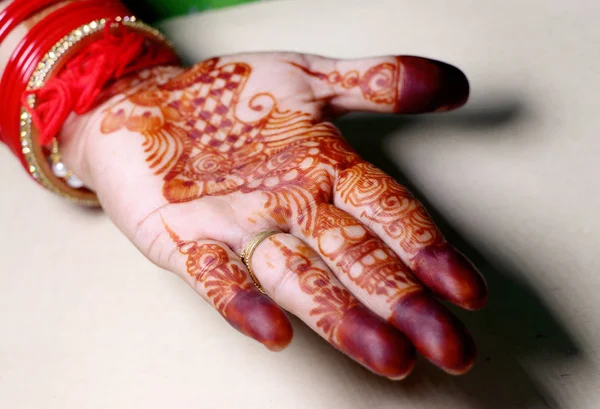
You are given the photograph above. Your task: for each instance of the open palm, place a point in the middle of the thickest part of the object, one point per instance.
(192, 164)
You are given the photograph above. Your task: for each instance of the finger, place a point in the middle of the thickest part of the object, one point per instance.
(401, 221)
(379, 279)
(298, 280)
(394, 84)
(219, 276)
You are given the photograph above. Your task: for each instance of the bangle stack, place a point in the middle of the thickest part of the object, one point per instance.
(38, 59)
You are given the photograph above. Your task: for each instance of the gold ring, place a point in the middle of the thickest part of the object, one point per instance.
(249, 251)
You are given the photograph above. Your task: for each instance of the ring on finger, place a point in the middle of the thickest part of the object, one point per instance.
(249, 251)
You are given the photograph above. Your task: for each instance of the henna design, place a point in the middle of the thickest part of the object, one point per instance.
(198, 141)
(205, 138)
(408, 85)
(369, 264)
(384, 202)
(346, 323)
(404, 221)
(331, 301)
(231, 291)
(210, 265)
(379, 84)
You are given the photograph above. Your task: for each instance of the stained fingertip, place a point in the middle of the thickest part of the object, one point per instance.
(430, 86)
(375, 344)
(257, 316)
(435, 332)
(449, 274)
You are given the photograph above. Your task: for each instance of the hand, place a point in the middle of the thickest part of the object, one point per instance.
(192, 164)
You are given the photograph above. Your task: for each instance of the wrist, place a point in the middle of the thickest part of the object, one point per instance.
(73, 146)
(68, 78)
(83, 145)
(41, 27)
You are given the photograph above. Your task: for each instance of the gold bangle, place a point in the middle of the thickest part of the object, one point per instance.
(37, 160)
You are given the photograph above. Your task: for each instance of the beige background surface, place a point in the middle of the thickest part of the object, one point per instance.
(86, 322)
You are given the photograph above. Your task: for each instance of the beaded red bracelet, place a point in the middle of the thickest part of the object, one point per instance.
(39, 60)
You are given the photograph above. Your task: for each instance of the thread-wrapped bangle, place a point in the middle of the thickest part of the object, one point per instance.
(61, 67)
(51, 173)
(32, 48)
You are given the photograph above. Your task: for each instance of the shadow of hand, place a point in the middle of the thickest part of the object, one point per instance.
(516, 327)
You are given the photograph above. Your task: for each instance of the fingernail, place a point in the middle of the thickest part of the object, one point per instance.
(431, 86)
(257, 316)
(435, 332)
(451, 275)
(372, 342)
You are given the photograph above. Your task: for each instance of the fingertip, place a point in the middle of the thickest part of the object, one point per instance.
(430, 86)
(435, 332)
(381, 348)
(278, 345)
(449, 274)
(257, 316)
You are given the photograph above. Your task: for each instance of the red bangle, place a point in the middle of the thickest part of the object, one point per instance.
(28, 54)
(16, 13)
(61, 66)
(19, 11)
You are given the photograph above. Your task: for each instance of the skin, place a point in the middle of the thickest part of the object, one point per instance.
(192, 163)
(241, 144)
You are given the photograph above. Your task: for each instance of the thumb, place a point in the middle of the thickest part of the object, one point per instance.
(392, 84)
